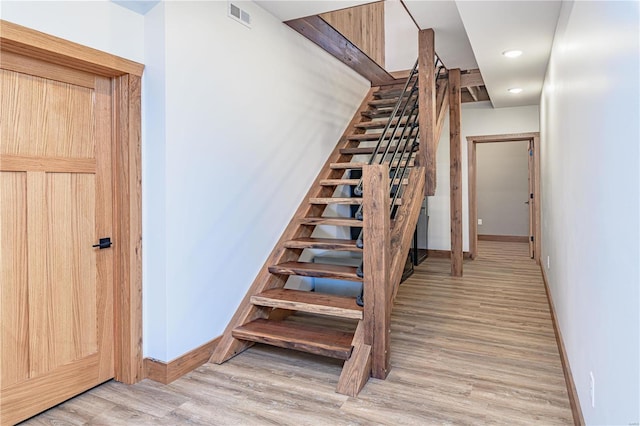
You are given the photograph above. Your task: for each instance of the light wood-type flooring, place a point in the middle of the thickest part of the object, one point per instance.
(473, 350)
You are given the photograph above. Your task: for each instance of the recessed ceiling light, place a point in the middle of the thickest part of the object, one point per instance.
(515, 90)
(512, 53)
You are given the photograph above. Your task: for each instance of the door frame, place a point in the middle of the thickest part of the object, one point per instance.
(127, 177)
(534, 175)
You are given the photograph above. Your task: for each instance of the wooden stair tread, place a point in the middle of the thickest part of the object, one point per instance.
(352, 182)
(374, 136)
(379, 124)
(343, 200)
(301, 337)
(319, 270)
(337, 182)
(379, 113)
(331, 221)
(309, 301)
(387, 101)
(322, 243)
(335, 200)
(355, 166)
(366, 150)
(388, 93)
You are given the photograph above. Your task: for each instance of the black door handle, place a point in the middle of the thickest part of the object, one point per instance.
(104, 243)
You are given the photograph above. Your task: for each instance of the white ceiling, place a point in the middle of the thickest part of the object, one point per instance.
(473, 34)
(452, 43)
(496, 26)
(469, 34)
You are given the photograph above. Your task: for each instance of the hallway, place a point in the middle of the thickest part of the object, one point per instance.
(473, 350)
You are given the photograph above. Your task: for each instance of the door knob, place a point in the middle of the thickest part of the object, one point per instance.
(104, 243)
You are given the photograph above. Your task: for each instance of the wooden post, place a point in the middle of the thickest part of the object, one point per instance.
(427, 108)
(377, 263)
(456, 172)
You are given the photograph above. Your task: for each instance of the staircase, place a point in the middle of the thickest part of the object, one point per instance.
(381, 142)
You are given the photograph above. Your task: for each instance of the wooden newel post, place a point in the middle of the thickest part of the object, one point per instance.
(427, 108)
(378, 291)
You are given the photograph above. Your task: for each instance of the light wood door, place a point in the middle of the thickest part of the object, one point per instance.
(56, 297)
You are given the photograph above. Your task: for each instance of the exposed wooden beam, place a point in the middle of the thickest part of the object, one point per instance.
(473, 92)
(324, 35)
(442, 99)
(456, 172)
(471, 78)
(427, 108)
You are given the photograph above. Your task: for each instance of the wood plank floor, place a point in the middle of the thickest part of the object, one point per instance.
(473, 350)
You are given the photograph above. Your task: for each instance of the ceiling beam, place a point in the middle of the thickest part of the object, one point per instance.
(471, 78)
(473, 92)
(324, 35)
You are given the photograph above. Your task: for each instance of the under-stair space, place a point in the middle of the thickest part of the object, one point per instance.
(352, 233)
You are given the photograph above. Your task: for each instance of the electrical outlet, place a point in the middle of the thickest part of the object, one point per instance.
(592, 389)
(479, 221)
(548, 264)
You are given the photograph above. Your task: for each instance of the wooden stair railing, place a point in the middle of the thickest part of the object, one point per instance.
(328, 324)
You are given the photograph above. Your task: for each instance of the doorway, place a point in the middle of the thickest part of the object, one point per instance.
(533, 185)
(70, 301)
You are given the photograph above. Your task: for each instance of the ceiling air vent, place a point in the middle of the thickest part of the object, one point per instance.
(236, 13)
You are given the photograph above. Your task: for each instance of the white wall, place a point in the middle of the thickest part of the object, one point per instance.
(246, 120)
(478, 118)
(401, 37)
(590, 201)
(502, 187)
(224, 164)
(154, 254)
(97, 23)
